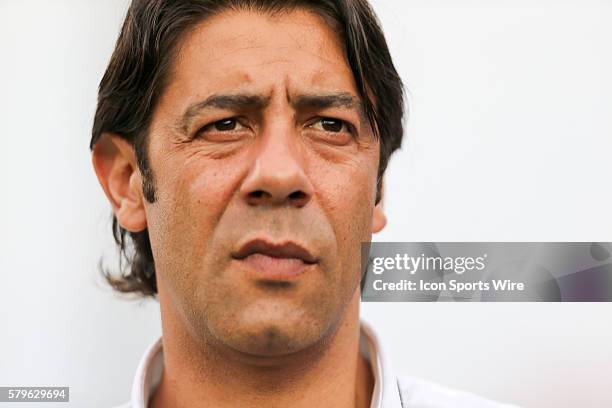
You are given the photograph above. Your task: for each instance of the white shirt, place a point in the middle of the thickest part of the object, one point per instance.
(389, 391)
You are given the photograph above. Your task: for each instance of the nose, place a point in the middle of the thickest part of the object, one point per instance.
(277, 175)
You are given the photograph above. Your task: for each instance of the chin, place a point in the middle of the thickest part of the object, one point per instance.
(276, 334)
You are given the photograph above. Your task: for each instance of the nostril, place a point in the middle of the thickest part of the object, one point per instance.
(257, 197)
(298, 198)
(262, 197)
(297, 195)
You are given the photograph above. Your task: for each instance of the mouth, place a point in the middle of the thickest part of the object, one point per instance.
(275, 261)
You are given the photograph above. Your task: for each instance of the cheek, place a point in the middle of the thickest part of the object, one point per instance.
(191, 197)
(346, 194)
(346, 186)
(198, 185)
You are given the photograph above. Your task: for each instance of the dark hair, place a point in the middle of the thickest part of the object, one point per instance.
(138, 73)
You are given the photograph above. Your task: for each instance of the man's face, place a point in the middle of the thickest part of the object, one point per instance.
(265, 174)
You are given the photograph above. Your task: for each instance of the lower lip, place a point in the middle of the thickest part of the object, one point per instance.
(275, 269)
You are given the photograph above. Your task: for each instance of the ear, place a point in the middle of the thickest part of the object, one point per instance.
(114, 161)
(379, 220)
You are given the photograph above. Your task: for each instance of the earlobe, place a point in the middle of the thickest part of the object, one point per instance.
(114, 162)
(379, 219)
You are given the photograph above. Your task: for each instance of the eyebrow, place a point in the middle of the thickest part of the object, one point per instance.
(317, 101)
(229, 102)
(243, 102)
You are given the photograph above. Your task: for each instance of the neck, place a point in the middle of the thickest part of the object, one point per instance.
(196, 373)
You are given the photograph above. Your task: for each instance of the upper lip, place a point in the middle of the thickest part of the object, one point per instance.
(285, 249)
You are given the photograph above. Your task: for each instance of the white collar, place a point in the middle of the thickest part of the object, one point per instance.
(385, 394)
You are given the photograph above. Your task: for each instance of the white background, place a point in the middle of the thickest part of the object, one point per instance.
(509, 139)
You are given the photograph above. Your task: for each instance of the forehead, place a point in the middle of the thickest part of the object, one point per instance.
(260, 52)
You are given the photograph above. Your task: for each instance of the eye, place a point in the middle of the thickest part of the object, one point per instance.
(330, 125)
(224, 130)
(224, 125)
